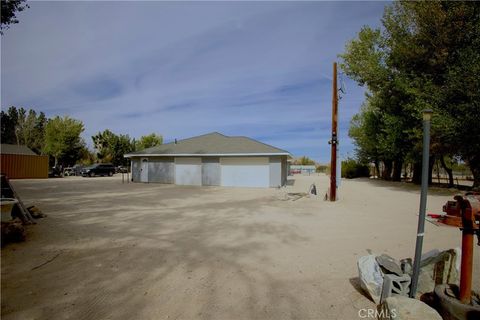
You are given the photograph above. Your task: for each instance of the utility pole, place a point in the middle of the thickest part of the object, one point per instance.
(334, 141)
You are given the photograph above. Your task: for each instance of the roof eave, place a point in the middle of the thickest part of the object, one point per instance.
(131, 155)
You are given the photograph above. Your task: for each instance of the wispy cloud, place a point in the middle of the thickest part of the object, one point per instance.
(180, 69)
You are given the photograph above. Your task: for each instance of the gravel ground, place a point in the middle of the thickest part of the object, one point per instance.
(109, 250)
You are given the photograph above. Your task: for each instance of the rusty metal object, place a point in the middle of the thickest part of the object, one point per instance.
(465, 214)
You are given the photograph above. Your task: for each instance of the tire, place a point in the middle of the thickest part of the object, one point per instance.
(110, 174)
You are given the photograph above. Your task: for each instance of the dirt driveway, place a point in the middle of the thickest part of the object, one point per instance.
(109, 250)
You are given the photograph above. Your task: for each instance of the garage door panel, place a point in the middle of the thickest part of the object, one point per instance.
(188, 171)
(160, 171)
(245, 172)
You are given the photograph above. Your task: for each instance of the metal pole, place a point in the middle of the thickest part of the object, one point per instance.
(466, 266)
(427, 114)
(470, 207)
(333, 160)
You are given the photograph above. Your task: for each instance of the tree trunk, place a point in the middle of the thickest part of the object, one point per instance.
(417, 172)
(476, 178)
(377, 169)
(474, 164)
(387, 171)
(431, 162)
(397, 170)
(448, 170)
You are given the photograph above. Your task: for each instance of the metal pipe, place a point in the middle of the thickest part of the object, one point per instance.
(470, 208)
(427, 114)
(466, 267)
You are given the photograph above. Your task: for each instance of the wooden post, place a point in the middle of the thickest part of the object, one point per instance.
(333, 142)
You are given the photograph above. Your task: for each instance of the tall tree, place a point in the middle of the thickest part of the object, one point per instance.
(8, 122)
(426, 55)
(111, 147)
(148, 141)
(9, 10)
(30, 129)
(366, 61)
(23, 127)
(63, 141)
(304, 161)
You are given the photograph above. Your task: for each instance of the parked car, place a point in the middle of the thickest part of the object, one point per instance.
(67, 172)
(77, 169)
(55, 172)
(121, 169)
(99, 169)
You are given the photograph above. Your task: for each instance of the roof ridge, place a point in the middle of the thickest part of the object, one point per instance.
(202, 135)
(265, 144)
(205, 134)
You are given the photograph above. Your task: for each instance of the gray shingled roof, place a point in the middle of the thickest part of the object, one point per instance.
(15, 149)
(212, 144)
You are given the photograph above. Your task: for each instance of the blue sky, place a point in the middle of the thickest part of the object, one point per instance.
(180, 69)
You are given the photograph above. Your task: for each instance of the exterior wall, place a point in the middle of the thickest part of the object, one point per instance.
(136, 166)
(188, 171)
(275, 171)
(210, 171)
(207, 171)
(161, 170)
(19, 166)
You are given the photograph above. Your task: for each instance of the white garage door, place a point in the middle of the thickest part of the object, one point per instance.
(245, 172)
(188, 171)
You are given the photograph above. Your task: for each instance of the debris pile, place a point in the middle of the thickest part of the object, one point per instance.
(400, 307)
(14, 214)
(12, 231)
(36, 213)
(387, 281)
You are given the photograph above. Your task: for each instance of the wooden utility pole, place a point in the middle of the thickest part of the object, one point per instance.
(334, 141)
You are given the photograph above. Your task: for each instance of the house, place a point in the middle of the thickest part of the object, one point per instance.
(19, 162)
(212, 160)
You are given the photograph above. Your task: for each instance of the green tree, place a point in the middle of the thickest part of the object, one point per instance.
(436, 46)
(9, 10)
(353, 169)
(426, 55)
(112, 148)
(87, 157)
(23, 127)
(366, 61)
(63, 141)
(148, 141)
(365, 128)
(8, 122)
(304, 161)
(30, 129)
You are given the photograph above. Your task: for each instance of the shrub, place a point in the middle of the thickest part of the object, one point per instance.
(322, 168)
(354, 169)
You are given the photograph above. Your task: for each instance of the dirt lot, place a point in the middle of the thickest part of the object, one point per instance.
(149, 251)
